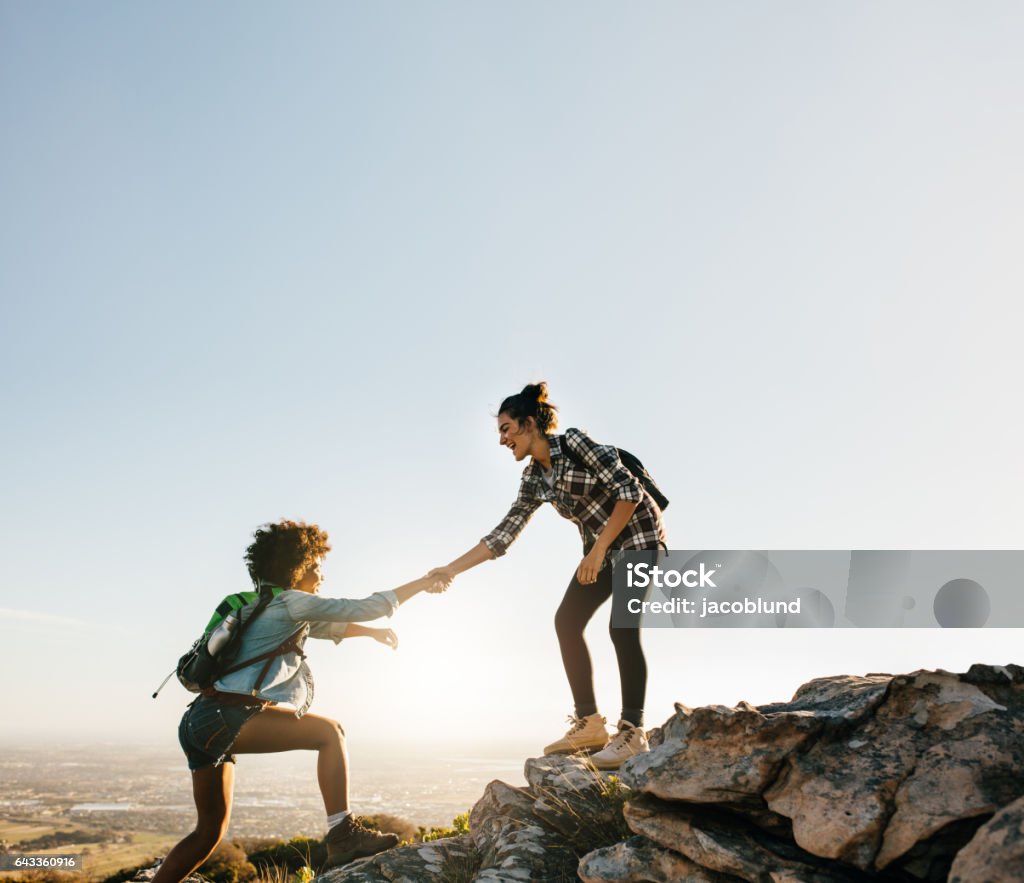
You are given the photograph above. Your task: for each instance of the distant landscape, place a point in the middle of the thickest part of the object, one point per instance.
(120, 807)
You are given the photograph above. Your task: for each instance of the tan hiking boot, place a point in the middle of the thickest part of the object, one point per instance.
(349, 840)
(628, 742)
(585, 734)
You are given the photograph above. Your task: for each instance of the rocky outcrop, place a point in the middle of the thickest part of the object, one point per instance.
(877, 773)
(533, 833)
(906, 778)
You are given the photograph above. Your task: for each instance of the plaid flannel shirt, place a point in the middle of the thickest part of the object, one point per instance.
(586, 495)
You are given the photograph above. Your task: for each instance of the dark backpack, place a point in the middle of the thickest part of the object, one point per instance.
(633, 464)
(198, 670)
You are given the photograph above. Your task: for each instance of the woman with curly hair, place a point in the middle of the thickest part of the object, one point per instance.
(239, 714)
(588, 484)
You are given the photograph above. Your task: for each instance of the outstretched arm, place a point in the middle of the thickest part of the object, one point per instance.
(477, 555)
(431, 582)
(303, 607)
(496, 542)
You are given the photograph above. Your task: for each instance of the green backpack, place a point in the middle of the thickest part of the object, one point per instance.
(199, 668)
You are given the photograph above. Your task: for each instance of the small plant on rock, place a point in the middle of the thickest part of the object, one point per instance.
(588, 818)
(459, 826)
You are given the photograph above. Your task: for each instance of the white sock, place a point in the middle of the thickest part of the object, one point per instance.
(333, 820)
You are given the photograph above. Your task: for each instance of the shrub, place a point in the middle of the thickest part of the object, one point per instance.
(228, 864)
(459, 826)
(291, 855)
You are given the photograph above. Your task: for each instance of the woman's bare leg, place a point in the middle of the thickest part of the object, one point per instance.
(277, 729)
(212, 787)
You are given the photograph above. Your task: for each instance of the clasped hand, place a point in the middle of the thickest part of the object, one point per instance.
(441, 578)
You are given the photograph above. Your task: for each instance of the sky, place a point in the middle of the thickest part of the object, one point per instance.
(262, 261)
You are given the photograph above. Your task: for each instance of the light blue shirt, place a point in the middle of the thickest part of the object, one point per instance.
(288, 678)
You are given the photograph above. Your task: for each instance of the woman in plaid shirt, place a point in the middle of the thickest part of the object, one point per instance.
(586, 483)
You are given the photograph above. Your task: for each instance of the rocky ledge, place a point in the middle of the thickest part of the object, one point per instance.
(916, 777)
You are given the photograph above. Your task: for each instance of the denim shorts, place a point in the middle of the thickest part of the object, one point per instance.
(209, 728)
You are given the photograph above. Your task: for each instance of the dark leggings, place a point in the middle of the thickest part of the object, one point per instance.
(577, 608)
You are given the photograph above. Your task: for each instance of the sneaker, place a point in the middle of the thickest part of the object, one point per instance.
(628, 742)
(349, 840)
(585, 734)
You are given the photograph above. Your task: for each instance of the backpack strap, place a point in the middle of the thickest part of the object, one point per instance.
(292, 643)
(634, 467)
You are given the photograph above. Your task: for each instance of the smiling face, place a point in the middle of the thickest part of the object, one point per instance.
(311, 579)
(517, 435)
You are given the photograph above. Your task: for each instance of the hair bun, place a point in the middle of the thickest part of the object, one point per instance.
(535, 392)
(533, 402)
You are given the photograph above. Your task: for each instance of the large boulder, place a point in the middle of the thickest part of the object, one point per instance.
(721, 755)
(940, 754)
(874, 773)
(720, 841)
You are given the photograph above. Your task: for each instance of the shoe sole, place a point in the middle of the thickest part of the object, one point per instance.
(608, 765)
(582, 749)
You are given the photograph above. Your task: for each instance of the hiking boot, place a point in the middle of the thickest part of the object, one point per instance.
(349, 840)
(628, 742)
(585, 734)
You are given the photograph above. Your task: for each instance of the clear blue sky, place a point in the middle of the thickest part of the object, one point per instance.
(263, 260)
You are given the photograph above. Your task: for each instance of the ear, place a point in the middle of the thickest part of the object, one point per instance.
(528, 424)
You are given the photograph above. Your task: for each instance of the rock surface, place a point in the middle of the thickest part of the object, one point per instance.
(901, 778)
(871, 772)
(638, 860)
(996, 854)
(453, 857)
(147, 874)
(533, 833)
(729, 845)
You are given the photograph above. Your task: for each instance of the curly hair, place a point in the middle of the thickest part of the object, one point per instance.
(533, 402)
(282, 552)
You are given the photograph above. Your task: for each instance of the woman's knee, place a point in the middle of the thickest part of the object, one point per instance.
(208, 833)
(568, 624)
(331, 732)
(625, 638)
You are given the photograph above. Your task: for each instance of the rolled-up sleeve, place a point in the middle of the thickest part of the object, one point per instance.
(499, 539)
(303, 607)
(604, 462)
(329, 631)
